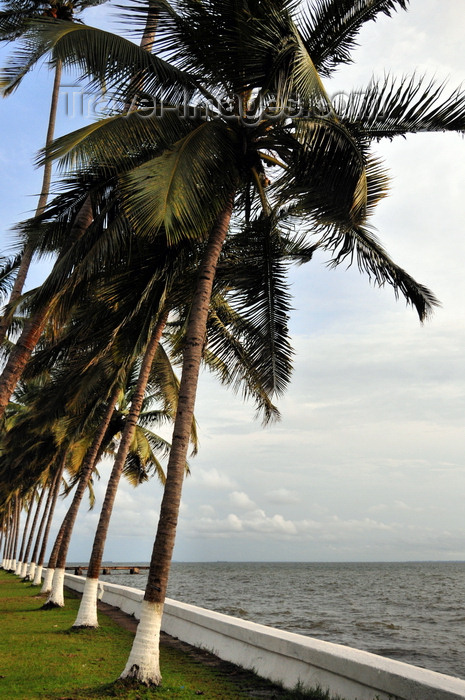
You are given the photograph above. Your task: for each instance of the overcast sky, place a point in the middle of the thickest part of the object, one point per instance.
(367, 463)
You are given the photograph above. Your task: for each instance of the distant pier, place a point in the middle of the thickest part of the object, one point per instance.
(108, 569)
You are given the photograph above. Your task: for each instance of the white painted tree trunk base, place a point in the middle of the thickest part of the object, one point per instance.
(87, 614)
(37, 576)
(57, 596)
(19, 567)
(23, 573)
(144, 660)
(13, 565)
(47, 584)
(31, 572)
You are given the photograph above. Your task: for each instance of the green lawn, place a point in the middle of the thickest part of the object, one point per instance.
(41, 658)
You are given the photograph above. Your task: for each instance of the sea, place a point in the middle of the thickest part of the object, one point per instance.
(413, 612)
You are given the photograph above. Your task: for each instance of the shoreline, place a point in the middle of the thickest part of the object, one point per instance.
(287, 658)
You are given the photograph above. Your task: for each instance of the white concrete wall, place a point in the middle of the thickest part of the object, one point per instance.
(288, 658)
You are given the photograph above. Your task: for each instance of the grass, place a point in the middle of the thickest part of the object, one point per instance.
(41, 658)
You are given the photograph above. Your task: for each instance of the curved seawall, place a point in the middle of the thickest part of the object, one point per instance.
(288, 658)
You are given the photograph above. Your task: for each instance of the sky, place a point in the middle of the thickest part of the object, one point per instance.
(368, 460)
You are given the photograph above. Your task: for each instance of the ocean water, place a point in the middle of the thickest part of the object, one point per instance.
(412, 612)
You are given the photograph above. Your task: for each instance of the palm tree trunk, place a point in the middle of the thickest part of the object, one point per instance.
(12, 555)
(46, 586)
(35, 575)
(24, 573)
(60, 550)
(2, 532)
(47, 176)
(19, 565)
(7, 526)
(143, 663)
(6, 563)
(55, 490)
(35, 325)
(17, 515)
(87, 614)
(32, 567)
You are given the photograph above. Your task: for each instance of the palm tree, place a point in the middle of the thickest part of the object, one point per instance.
(14, 532)
(5, 510)
(153, 292)
(29, 567)
(44, 528)
(322, 154)
(87, 614)
(53, 586)
(86, 375)
(212, 172)
(14, 22)
(83, 216)
(28, 545)
(6, 523)
(28, 505)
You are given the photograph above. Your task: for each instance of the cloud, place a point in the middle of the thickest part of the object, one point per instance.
(252, 522)
(258, 523)
(207, 511)
(283, 496)
(396, 505)
(239, 499)
(212, 479)
(234, 522)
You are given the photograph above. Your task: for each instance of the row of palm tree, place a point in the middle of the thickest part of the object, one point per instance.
(14, 19)
(58, 556)
(173, 231)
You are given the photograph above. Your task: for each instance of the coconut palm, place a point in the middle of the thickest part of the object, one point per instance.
(29, 567)
(138, 448)
(88, 373)
(64, 533)
(14, 22)
(28, 543)
(141, 289)
(332, 181)
(53, 433)
(5, 510)
(87, 614)
(242, 65)
(38, 555)
(85, 213)
(35, 325)
(28, 506)
(13, 544)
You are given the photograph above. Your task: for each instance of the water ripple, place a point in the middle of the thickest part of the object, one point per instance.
(411, 612)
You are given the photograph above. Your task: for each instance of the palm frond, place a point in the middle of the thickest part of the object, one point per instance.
(8, 269)
(103, 58)
(260, 294)
(226, 356)
(330, 28)
(360, 244)
(390, 108)
(17, 67)
(179, 190)
(110, 142)
(328, 176)
(307, 82)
